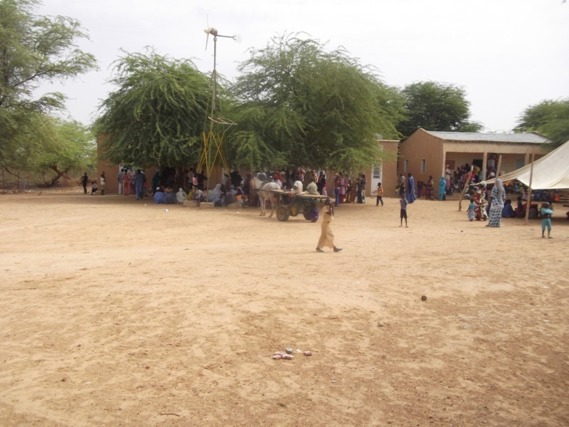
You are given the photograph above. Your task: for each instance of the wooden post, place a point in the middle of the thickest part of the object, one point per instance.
(528, 205)
(466, 186)
(499, 165)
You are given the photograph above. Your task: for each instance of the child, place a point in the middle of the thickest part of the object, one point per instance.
(546, 213)
(103, 184)
(403, 213)
(93, 187)
(471, 212)
(379, 195)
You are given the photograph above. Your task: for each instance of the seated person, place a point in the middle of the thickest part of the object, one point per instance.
(199, 195)
(216, 195)
(520, 210)
(181, 195)
(229, 196)
(170, 196)
(239, 194)
(312, 188)
(508, 210)
(296, 188)
(159, 196)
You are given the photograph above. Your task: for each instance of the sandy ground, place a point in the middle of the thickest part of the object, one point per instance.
(117, 313)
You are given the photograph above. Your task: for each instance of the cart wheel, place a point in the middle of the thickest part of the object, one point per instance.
(282, 213)
(307, 212)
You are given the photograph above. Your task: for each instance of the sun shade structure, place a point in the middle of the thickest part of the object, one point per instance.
(550, 172)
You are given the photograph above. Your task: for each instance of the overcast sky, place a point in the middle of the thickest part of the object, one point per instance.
(506, 54)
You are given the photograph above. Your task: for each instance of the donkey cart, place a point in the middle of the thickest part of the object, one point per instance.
(290, 204)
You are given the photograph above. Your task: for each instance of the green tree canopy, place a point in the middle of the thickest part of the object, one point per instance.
(70, 149)
(437, 107)
(300, 105)
(157, 114)
(64, 148)
(548, 118)
(33, 49)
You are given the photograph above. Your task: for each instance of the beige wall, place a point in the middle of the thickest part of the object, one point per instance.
(421, 146)
(390, 149)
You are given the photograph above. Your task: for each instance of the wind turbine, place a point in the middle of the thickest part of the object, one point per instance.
(213, 31)
(212, 147)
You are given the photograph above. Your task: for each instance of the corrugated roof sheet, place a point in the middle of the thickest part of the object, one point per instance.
(513, 138)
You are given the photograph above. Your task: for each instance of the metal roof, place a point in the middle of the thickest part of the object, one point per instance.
(513, 138)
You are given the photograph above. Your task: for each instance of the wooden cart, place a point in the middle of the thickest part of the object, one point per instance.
(290, 204)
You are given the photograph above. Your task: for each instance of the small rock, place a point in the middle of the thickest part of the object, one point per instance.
(424, 298)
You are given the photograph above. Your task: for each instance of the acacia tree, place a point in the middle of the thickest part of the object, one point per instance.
(157, 114)
(438, 107)
(70, 149)
(65, 148)
(33, 49)
(300, 105)
(548, 118)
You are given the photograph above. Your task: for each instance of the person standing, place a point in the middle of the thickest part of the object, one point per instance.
(322, 184)
(496, 204)
(546, 213)
(84, 182)
(430, 187)
(190, 179)
(343, 187)
(410, 188)
(326, 234)
(337, 189)
(379, 195)
(448, 176)
(471, 211)
(102, 183)
(361, 186)
(120, 180)
(139, 180)
(403, 211)
(442, 188)
(127, 182)
(155, 181)
(401, 185)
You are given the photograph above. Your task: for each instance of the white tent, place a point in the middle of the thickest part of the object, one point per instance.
(550, 172)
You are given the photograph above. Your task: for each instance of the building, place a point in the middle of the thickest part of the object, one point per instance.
(426, 153)
(386, 171)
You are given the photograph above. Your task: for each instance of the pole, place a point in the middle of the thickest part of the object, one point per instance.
(214, 76)
(498, 166)
(528, 205)
(466, 187)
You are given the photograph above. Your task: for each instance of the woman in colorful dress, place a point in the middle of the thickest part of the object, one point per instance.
(496, 203)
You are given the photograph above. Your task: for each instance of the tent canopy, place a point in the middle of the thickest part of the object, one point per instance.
(550, 172)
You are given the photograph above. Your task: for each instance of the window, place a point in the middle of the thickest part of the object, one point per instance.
(423, 166)
(377, 172)
(405, 165)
